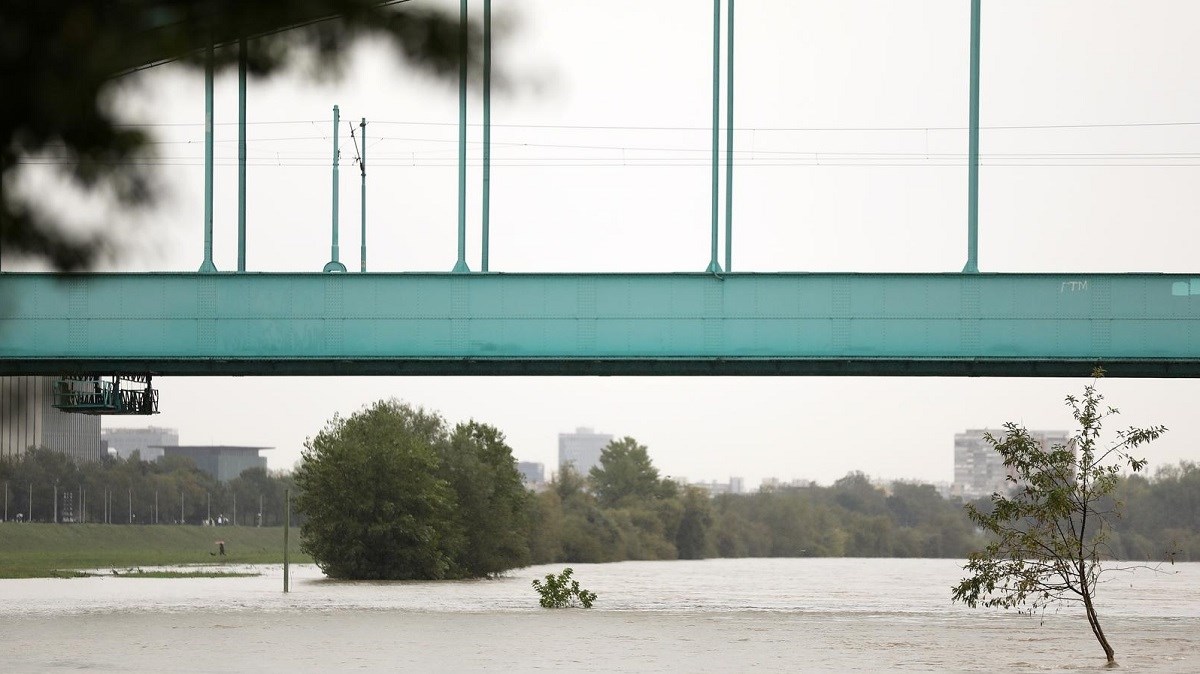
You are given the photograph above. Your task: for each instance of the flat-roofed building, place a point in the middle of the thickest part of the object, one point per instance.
(147, 441)
(223, 462)
(532, 473)
(735, 485)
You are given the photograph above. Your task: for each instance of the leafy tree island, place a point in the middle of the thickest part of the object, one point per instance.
(394, 493)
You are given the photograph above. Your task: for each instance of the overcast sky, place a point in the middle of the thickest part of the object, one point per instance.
(850, 149)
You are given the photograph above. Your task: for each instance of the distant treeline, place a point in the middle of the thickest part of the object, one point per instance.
(1161, 515)
(623, 510)
(852, 518)
(125, 491)
(599, 519)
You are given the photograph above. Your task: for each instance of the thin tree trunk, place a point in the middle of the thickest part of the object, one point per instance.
(1085, 588)
(1094, 621)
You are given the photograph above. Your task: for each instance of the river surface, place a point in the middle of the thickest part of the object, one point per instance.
(704, 616)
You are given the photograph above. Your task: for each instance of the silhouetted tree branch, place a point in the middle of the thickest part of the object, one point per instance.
(58, 61)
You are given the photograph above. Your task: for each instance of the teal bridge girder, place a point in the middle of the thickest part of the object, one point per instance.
(1134, 325)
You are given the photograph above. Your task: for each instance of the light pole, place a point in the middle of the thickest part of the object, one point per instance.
(287, 525)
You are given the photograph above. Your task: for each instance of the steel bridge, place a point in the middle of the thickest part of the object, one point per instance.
(1138, 325)
(708, 323)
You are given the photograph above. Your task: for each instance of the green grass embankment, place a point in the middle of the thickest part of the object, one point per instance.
(47, 550)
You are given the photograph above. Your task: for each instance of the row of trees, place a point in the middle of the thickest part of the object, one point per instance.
(397, 487)
(1161, 515)
(394, 491)
(624, 510)
(46, 486)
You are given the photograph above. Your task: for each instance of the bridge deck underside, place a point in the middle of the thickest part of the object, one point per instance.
(1144, 325)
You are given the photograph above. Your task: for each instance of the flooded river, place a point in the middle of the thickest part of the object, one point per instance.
(706, 616)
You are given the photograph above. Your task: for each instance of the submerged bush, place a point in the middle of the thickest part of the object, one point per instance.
(392, 493)
(561, 591)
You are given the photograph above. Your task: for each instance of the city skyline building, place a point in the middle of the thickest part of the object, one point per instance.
(776, 484)
(532, 473)
(582, 448)
(979, 469)
(147, 441)
(735, 485)
(28, 419)
(224, 462)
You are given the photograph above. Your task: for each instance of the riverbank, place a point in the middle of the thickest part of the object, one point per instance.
(54, 550)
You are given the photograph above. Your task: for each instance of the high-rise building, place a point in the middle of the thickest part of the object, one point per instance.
(28, 419)
(978, 468)
(148, 442)
(581, 449)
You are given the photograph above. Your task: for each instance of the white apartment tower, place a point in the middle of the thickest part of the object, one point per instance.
(978, 468)
(581, 449)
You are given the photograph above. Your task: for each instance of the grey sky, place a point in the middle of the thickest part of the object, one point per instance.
(850, 153)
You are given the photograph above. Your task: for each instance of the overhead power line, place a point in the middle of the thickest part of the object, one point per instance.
(817, 161)
(601, 127)
(743, 153)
